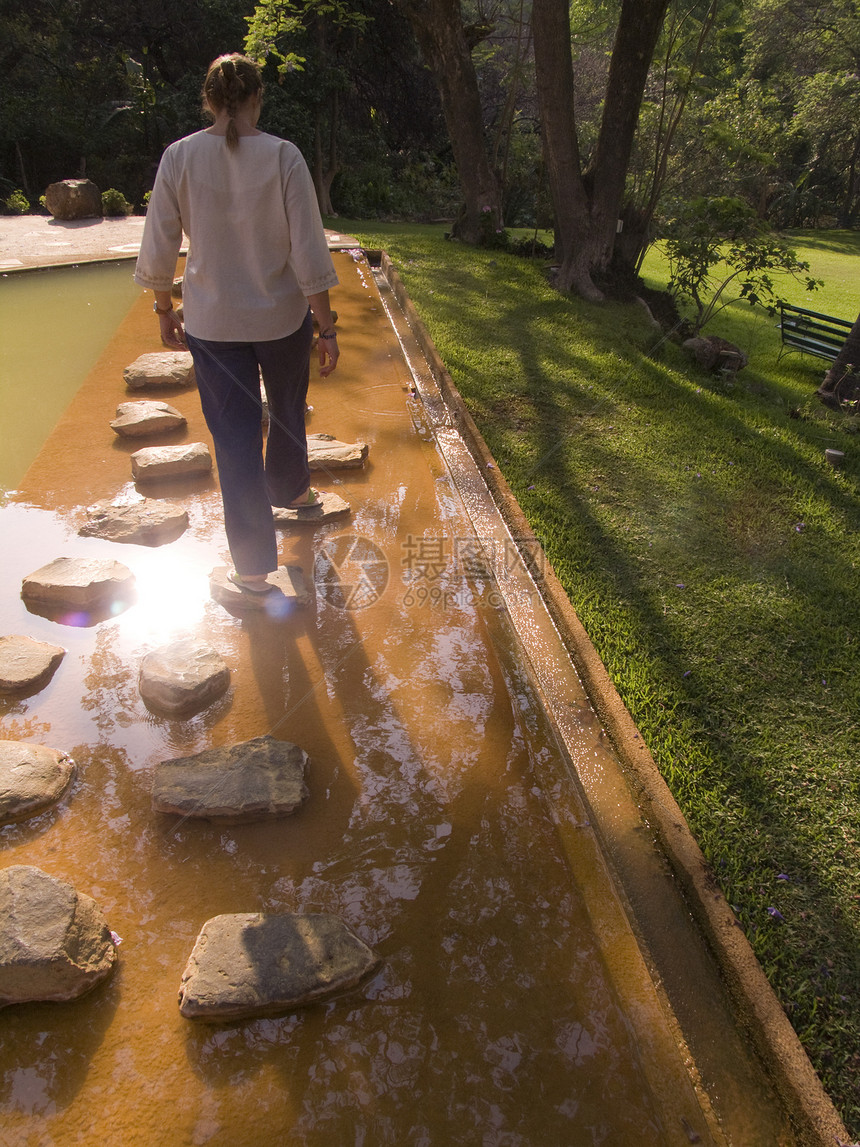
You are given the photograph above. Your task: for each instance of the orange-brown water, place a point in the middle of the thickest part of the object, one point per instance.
(511, 1006)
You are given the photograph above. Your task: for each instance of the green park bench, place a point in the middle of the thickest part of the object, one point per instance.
(811, 333)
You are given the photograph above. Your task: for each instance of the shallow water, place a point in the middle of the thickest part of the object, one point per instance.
(53, 326)
(443, 825)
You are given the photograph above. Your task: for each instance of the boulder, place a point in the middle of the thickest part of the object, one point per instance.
(160, 369)
(326, 453)
(291, 591)
(32, 778)
(326, 507)
(147, 522)
(155, 463)
(26, 663)
(78, 582)
(149, 416)
(183, 677)
(74, 199)
(262, 779)
(54, 941)
(713, 353)
(250, 964)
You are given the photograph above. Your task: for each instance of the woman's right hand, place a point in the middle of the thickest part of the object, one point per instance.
(172, 333)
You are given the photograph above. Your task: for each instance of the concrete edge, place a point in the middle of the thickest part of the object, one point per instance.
(813, 1116)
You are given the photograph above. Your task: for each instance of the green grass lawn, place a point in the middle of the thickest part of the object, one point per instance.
(713, 556)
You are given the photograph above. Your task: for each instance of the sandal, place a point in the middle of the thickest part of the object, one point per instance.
(312, 498)
(251, 587)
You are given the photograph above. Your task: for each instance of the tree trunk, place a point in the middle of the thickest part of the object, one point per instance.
(438, 27)
(843, 377)
(587, 209)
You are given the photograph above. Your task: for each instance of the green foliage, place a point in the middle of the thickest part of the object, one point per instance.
(714, 242)
(16, 203)
(115, 203)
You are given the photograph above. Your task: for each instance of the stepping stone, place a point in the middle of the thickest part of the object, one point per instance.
(32, 778)
(136, 419)
(290, 591)
(160, 369)
(183, 677)
(262, 779)
(54, 941)
(78, 582)
(147, 522)
(155, 463)
(327, 507)
(27, 664)
(326, 453)
(250, 964)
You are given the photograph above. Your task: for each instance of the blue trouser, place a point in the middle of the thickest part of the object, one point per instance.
(228, 379)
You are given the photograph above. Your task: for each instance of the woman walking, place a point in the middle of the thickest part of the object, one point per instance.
(258, 266)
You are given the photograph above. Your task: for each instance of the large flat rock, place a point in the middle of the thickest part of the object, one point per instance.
(160, 369)
(327, 506)
(261, 779)
(325, 452)
(78, 582)
(250, 964)
(148, 416)
(183, 677)
(54, 941)
(32, 778)
(26, 663)
(155, 463)
(290, 591)
(147, 522)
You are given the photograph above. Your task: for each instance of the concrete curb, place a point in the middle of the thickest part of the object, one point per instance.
(812, 1114)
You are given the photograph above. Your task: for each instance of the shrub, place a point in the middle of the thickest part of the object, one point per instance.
(16, 203)
(115, 203)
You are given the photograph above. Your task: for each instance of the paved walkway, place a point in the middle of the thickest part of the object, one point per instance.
(40, 241)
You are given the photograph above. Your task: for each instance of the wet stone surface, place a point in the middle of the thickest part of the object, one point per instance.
(327, 506)
(26, 663)
(32, 778)
(160, 369)
(147, 522)
(325, 452)
(260, 779)
(250, 964)
(78, 582)
(148, 416)
(155, 463)
(183, 677)
(54, 941)
(290, 591)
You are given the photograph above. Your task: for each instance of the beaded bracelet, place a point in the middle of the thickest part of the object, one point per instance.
(330, 335)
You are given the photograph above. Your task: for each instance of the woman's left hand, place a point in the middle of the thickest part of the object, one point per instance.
(327, 349)
(172, 333)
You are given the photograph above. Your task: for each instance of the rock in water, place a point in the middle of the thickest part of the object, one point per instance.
(261, 779)
(32, 778)
(160, 369)
(250, 964)
(54, 941)
(183, 677)
(27, 664)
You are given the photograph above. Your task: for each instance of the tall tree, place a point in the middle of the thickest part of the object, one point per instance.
(588, 200)
(446, 45)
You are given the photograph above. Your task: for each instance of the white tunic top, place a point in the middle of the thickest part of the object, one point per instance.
(257, 246)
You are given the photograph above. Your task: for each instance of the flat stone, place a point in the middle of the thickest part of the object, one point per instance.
(155, 463)
(147, 522)
(327, 506)
(160, 369)
(26, 663)
(262, 779)
(183, 677)
(291, 591)
(149, 416)
(54, 941)
(326, 453)
(250, 964)
(78, 582)
(32, 778)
